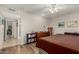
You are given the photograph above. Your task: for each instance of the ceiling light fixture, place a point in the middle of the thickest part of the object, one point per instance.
(53, 8)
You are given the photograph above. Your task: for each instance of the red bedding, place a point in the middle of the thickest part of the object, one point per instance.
(59, 44)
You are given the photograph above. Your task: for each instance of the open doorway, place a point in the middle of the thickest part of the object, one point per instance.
(11, 29)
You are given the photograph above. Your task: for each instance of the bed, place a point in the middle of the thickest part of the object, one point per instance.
(59, 44)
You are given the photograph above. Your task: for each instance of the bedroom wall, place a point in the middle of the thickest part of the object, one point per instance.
(32, 23)
(65, 18)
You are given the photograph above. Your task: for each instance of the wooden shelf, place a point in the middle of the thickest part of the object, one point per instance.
(31, 37)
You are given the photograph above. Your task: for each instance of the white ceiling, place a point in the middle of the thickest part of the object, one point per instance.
(46, 10)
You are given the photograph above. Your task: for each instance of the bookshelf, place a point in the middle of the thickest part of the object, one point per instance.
(31, 37)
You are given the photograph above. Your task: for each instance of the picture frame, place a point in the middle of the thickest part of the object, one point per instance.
(72, 24)
(61, 24)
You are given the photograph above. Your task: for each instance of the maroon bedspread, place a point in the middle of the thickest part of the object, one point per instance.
(59, 44)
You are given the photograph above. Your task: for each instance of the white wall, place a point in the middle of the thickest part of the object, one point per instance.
(14, 29)
(32, 23)
(1, 35)
(65, 18)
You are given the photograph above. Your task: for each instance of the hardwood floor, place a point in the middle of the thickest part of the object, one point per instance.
(11, 42)
(21, 49)
(13, 46)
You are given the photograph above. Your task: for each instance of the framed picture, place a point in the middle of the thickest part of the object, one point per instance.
(61, 24)
(72, 24)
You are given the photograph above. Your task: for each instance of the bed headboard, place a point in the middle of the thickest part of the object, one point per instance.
(42, 34)
(69, 33)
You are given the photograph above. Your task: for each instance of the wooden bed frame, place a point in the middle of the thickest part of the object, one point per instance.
(42, 34)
